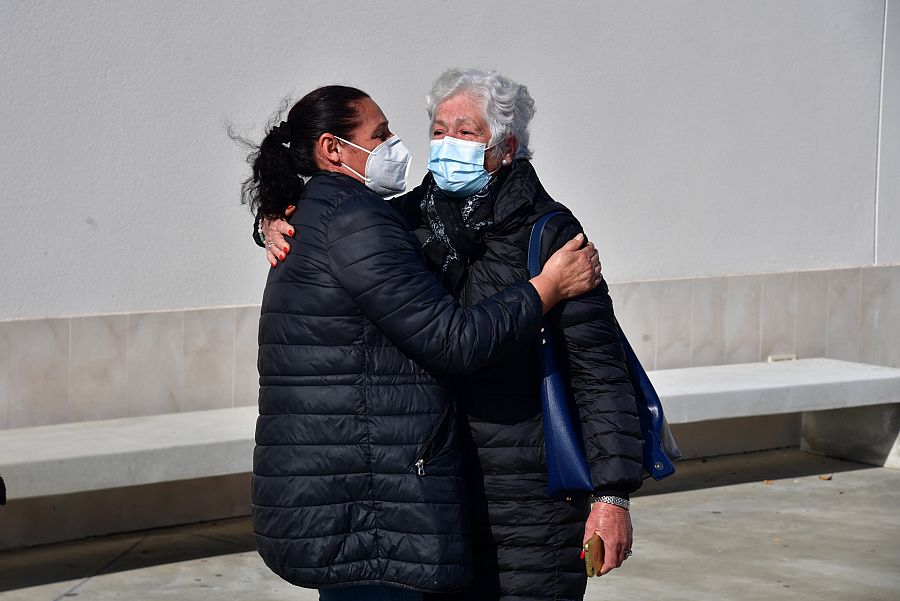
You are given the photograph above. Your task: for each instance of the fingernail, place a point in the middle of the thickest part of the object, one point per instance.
(286, 249)
(290, 207)
(582, 554)
(579, 236)
(274, 264)
(281, 257)
(291, 232)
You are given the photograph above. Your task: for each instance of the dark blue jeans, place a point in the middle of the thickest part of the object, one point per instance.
(368, 593)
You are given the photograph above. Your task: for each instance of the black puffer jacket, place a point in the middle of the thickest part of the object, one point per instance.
(527, 544)
(345, 412)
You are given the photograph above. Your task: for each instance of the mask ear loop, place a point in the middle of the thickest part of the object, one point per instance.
(365, 179)
(503, 163)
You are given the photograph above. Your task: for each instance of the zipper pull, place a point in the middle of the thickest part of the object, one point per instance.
(420, 467)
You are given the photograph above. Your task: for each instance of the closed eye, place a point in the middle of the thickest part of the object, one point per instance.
(382, 133)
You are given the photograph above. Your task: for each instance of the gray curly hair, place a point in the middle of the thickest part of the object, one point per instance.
(508, 107)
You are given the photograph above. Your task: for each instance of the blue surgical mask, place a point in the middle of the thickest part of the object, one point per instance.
(458, 166)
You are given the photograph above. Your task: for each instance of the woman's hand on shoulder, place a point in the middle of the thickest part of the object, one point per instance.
(571, 271)
(274, 232)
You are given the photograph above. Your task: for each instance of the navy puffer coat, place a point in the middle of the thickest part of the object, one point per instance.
(357, 476)
(527, 544)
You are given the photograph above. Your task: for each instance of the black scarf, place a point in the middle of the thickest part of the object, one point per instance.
(457, 228)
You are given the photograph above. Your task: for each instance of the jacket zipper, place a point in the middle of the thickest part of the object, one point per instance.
(424, 453)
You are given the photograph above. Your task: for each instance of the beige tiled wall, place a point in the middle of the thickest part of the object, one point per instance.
(207, 379)
(98, 378)
(155, 361)
(674, 325)
(880, 315)
(84, 368)
(4, 376)
(842, 329)
(707, 322)
(246, 377)
(637, 305)
(778, 314)
(108, 366)
(742, 319)
(812, 313)
(851, 314)
(38, 372)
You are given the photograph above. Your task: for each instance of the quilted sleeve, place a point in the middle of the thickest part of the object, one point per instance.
(591, 350)
(375, 259)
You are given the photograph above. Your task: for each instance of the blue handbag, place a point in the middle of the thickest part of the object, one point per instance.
(567, 466)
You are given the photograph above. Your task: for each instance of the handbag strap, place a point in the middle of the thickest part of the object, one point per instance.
(534, 245)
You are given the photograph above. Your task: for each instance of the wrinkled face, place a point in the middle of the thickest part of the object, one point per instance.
(462, 116)
(372, 130)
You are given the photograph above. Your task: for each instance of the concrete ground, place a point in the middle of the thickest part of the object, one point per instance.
(773, 525)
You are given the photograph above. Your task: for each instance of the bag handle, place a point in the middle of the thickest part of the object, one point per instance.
(659, 449)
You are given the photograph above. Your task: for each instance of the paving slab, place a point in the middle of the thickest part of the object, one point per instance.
(762, 526)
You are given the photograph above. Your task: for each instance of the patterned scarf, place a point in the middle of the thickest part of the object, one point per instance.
(457, 226)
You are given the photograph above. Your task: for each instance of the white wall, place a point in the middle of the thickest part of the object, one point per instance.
(692, 138)
(889, 174)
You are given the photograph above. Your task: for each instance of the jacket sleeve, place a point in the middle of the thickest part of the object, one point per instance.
(599, 379)
(376, 260)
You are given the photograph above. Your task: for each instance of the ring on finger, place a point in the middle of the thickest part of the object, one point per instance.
(628, 553)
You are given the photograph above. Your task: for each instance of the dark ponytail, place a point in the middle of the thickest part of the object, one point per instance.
(287, 152)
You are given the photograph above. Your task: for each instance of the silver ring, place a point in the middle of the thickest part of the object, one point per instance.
(628, 553)
(270, 244)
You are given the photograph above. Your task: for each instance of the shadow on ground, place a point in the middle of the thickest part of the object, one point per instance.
(748, 467)
(88, 558)
(81, 560)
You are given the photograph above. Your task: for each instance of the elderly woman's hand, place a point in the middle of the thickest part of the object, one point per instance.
(569, 272)
(274, 232)
(613, 524)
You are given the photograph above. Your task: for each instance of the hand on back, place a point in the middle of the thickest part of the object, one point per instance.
(274, 232)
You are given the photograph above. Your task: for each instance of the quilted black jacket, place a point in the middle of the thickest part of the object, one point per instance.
(527, 544)
(357, 476)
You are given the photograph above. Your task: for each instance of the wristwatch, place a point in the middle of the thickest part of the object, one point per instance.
(617, 501)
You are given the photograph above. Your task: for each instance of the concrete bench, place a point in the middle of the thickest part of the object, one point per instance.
(751, 389)
(847, 410)
(87, 456)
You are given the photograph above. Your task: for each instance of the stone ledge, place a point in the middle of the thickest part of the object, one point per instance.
(750, 389)
(87, 456)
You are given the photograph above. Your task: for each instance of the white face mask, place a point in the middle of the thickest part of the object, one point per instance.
(386, 167)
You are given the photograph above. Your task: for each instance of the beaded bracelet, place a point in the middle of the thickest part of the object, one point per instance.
(259, 230)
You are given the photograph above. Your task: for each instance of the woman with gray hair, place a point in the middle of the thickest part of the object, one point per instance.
(473, 214)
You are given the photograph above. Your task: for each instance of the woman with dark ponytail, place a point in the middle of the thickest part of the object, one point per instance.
(358, 487)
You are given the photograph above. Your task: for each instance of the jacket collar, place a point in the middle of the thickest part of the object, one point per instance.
(520, 191)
